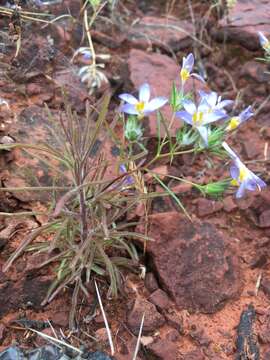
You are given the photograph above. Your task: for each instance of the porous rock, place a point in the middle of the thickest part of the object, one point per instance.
(193, 261)
(163, 349)
(152, 321)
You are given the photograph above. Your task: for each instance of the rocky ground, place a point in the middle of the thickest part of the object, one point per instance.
(206, 294)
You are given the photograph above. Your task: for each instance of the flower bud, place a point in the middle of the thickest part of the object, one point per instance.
(133, 130)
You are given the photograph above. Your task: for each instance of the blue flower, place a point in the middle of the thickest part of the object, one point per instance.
(214, 101)
(187, 66)
(242, 177)
(265, 43)
(235, 121)
(142, 106)
(200, 116)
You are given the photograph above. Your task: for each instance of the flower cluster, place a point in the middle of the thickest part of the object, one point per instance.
(199, 118)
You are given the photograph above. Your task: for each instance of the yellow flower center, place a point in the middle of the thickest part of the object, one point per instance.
(233, 123)
(197, 118)
(184, 74)
(243, 173)
(234, 182)
(140, 107)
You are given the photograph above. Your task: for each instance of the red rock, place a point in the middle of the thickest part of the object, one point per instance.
(252, 148)
(244, 20)
(264, 219)
(101, 335)
(173, 335)
(229, 205)
(41, 341)
(175, 321)
(61, 318)
(255, 71)
(150, 282)
(265, 286)
(2, 330)
(161, 171)
(193, 261)
(160, 299)
(153, 319)
(198, 334)
(33, 89)
(159, 71)
(194, 355)
(163, 350)
(168, 33)
(181, 188)
(208, 207)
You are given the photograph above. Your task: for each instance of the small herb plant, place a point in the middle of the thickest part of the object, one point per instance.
(88, 231)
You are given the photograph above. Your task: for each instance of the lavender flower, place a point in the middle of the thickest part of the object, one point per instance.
(187, 66)
(214, 101)
(128, 179)
(242, 176)
(200, 116)
(235, 121)
(265, 43)
(143, 106)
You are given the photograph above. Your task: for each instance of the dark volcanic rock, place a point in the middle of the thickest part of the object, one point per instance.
(16, 295)
(244, 20)
(153, 319)
(194, 262)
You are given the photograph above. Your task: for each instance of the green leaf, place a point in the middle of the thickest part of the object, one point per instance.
(172, 194)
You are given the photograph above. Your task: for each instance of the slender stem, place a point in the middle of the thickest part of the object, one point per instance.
(89, 37)
(159, 156)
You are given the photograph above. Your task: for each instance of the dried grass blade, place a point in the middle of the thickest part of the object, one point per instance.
(105, 321)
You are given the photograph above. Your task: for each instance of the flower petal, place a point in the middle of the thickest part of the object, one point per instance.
(262, 38)
(241, 191)
(204, 133)
(185, 116)
(246, 114)
(188, 62)
(223, 104)
(198, 77)
(234, 171)
(212, 98)
(130, 99)
(189, 106)
(144, 93)
(129, 109)
(155, 104)
(256, 182)
(232, 154)
(214, 116)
